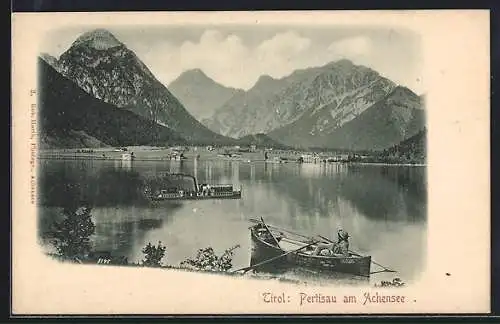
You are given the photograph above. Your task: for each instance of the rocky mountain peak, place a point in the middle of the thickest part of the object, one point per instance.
(106, 69)
(193, 76)
(199, 93)
(265, 83)
(342, 63)
(348, 68)
(264, 79)
(316, 101)
(47, 56)
(195, 72)
(51, 60)
(99, 39)
(403, 91)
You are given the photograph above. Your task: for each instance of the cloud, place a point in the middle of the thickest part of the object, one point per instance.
(351, 48)
(226, 58)
(281, 54)
(285, 46)
(229, 60)
(214, 54)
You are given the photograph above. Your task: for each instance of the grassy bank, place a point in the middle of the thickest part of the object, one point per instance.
(252, 275)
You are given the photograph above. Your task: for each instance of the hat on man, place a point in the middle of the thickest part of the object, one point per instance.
(342, 234)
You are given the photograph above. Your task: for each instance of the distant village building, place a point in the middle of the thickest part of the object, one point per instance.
(342, 157)
(310, 158)
(177, 156)
(178, 149)
(337, 158)
(127, 156)
(245, 149)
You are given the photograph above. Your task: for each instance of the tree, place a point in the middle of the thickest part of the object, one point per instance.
(72, 234)
(153, 255)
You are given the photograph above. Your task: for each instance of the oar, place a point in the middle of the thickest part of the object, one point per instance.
(357, 254)
(326, 239)
(281, 229)
(385, 270)
(245, 269)
(275, 239)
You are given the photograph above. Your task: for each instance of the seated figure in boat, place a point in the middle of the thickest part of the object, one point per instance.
(266, 236)
(330, 249)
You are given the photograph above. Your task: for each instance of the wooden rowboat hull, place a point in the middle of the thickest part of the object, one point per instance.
(261, 250)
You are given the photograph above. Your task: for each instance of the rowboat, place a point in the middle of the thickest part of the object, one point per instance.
(298, 252)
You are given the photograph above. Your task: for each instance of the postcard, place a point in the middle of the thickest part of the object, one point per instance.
(326, 162)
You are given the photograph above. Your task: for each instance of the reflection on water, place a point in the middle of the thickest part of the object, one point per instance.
(382, 207)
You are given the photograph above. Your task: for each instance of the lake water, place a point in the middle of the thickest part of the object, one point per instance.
(382, 207)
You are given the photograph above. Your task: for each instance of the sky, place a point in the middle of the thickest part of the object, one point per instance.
(236, 56)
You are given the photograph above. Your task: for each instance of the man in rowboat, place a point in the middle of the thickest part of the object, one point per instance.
(340, 247)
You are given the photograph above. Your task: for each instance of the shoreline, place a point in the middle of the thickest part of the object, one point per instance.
(389, 164)
(356, 281)
(74, 157)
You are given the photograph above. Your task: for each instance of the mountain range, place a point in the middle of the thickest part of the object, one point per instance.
(106, 69)
(99, 92)
(339, 105)
(385, 122)
(70, 117)
(200, 94)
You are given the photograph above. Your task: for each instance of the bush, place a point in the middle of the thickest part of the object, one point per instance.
(207, 260)
(153, 255)
(72, 234)
(396, 282)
